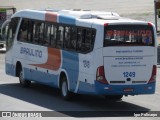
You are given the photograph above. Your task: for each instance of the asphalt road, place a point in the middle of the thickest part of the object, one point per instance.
(43, 98)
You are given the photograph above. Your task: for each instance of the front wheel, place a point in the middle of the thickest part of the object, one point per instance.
(23, 82)
(65, 93)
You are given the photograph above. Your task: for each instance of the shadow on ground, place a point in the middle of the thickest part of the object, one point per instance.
(80, 106)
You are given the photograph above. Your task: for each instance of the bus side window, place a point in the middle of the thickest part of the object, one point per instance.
(73, 38)
(35, 34)
(41, 34)
(38, 32)
(83, 48)
(29, 31)
(25, 31)
(93, 37)
(79, 39)
(60, 36)
(67, 37)
(87, 40)
(47, 32)
(53, 35)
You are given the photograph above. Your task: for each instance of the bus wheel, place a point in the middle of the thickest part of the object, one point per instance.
(66, 95)
(23, 82)
(114, 97)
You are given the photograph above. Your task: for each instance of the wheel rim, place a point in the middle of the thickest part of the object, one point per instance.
(64, 88)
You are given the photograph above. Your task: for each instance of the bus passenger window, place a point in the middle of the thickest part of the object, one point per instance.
(60, 36)
(79, 39)
(38, 32)
(23, 31)
(35, 32)
(47, 32)
(88, 39)
(53, 35)
(41, 34)
(30, 30)
(93, 37)
(73, 38)
(67, 37)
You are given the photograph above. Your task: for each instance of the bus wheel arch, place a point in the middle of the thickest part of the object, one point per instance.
(20, 74)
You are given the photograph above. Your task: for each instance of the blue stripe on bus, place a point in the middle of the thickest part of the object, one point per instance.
(67, 19)
(70, 62)
(41, 77)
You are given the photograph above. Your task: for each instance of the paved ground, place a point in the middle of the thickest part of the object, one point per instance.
(120, 6)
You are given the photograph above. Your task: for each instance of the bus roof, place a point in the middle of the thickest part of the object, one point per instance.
(71, 16)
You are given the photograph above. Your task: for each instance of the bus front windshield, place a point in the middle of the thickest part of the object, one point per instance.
(128, 35)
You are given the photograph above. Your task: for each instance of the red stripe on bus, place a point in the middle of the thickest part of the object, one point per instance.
(54, 60)
(51, 17)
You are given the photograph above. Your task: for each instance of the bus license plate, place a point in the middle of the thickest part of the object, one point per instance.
(128, 90)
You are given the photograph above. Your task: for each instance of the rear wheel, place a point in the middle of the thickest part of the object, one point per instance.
(65, 93)
(114, 97)
(23, 82)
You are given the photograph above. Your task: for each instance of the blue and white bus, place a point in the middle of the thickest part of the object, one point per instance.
(83, 52)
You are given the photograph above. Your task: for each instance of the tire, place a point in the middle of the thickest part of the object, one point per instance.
(114, 97)
(65, 93)
(23, 82)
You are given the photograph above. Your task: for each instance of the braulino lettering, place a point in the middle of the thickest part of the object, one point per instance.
(31, 52)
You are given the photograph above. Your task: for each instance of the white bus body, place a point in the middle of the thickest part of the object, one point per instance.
(86, 52)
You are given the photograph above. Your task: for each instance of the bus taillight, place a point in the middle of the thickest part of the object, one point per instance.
(153, 76)
(100, 75)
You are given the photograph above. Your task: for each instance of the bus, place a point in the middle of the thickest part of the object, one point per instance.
(82, 52)
(5, 13)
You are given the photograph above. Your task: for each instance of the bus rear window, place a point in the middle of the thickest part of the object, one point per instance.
(128, 35)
